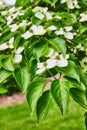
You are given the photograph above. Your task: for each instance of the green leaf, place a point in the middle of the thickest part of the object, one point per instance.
(28, 52)
(32, 68)
(22, 2)
(82, 29)
(28, 13)
(36, 2)
(2, 20)
(85, 120)
(40, 50)
(59, 44)
(2, 56)
(51, 2)
(70, 71)
(7, 29)
(4, 74)
(83, 77)
(8, 64)
(3, 90)
(43, 105)
(22, 77)
(60, 92)
(35, 20)
(68, 18)
(34, 92)
(74, 83)
(79, 96)
(16, 41)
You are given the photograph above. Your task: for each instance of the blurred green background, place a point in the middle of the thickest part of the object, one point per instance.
(17, 117)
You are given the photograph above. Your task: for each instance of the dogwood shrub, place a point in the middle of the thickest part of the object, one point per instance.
(44, 41)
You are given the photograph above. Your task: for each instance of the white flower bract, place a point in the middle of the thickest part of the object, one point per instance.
(83, 63)
(39, 15)
(18, 56)
(34, 30)
(83, 17)
(8, 44)
(16, 26)
(66, 32)
(10, 2)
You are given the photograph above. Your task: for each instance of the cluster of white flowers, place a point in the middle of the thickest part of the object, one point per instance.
(55, 59)
(42, 12)
(71, 3)
(9, 45)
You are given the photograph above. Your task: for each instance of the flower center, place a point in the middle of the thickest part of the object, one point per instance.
(85, 63)
(7, 8)
(26, 21)
(64, 29)
(17, 23)
(11, 16)
(3, 3)
(57, 58)
(45, 64)
(30, 30)
(7, 43)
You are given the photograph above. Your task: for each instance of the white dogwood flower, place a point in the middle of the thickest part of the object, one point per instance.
(11, 17)
(27, 35)
(55, 59)
(18, 25)
(80, 47)
(50, 63)
(40, 9)
(10, 11)
(39, 15)
(83, 17)
(38, 30)
(51, 28)
(62, 61)
(34, 30)
(48, 16)
(66, 32)
(41, 12)
(18, 56)
(58, 59)
(10, 2)
(71, 3)
(2, 4)
(83, 63)
(8, 44)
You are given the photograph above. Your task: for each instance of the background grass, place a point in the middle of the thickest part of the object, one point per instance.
(17, 117)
